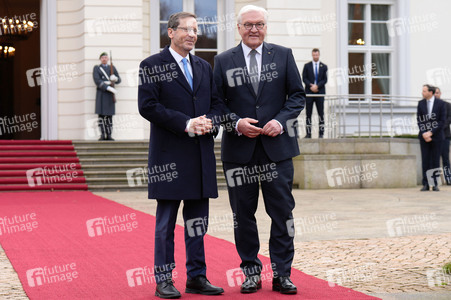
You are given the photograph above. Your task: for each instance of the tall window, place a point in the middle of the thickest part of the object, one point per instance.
(370, 49)
(207, 13)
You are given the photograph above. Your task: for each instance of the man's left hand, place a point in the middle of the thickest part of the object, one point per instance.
(427, 136)
(113, 78)
(314, 88)
(272, 129)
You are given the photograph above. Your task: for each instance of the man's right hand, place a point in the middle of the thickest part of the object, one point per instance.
(200, 125)
(245, 127)
(427, 136)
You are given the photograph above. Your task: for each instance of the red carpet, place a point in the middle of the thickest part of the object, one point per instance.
(59, 252)
(39, 165)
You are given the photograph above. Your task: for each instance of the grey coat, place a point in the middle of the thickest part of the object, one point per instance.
(104, 99)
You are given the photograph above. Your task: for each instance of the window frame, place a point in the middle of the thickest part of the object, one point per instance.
(398, 48)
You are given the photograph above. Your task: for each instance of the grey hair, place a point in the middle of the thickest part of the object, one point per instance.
(248, 8)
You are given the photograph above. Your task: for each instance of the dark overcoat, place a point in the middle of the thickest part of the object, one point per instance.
(167, 101)
(104, 99)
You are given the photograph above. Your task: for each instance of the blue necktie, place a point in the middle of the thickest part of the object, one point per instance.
(187, 73)
(316, 73)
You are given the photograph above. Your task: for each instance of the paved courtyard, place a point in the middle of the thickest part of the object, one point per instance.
(389, 243)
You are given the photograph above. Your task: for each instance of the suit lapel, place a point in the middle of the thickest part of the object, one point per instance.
(267, 58)
(181, 79)
(240, 62)
(197, 72)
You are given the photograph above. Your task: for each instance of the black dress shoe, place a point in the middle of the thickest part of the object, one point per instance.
(167, 290)
(425, 188)
(201, 285)
(308, 136)
(109, 138)
(283, 285)
(321, 136)
(251, 284)
(435, 189)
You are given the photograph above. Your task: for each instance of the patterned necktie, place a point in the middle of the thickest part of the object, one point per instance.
(187, 73)
(253, 66)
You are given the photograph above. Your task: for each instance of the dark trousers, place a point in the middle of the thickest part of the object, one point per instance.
(430, 157)
(319, 101)
(195, 215)
(279, 203)
(106, 125)
(445, 160)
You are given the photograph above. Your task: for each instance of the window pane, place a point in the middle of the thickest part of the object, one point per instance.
(381, 61)
(379, 35)
(168, 7)
(356, 85)
(356, 34)
(356, 11)
(380, 86)
(379, 12)
(164, 39)
(208, 37)
(356, 62)
(206, 10)
(209, 56)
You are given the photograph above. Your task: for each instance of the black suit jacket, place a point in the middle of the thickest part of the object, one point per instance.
(280, 96)
(447, 129)
(166, 100)
(434, 123)
(308, 76)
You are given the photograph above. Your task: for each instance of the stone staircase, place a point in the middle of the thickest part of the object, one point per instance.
(323, 164)
(357, 163)
(105, 164)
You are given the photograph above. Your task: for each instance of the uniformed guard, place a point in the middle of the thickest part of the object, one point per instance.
(105, 77)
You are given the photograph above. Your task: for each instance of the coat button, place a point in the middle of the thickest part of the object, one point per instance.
(194, 98)
(257, 107)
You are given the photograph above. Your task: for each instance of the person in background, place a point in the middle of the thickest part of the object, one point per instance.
(105, 100)
(314, 76)
(446, 141)
(431, 116)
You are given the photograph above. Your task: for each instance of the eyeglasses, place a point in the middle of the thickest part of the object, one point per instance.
(187, 30)
(249, 26)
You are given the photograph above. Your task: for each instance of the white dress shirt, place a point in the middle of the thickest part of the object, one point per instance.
(258, 56)
(178, 58)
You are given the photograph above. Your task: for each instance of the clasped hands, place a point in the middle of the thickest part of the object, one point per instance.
(427, 136)
(272, 128)
(200, 125)
(314, 88)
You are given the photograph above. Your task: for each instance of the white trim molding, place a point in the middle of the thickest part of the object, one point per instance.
(49, 91)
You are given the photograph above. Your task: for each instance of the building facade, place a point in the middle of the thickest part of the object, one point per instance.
(388, 48)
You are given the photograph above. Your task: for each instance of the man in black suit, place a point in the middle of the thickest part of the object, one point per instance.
(431, 116)
(105, 101)
(446, 141)
(177, 95)
(262, 87)
(314, 76)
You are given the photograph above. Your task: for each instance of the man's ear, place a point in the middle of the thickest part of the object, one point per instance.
(170, 32)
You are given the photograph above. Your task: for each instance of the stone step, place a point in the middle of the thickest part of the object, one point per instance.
(345, 146)
(344, 171)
